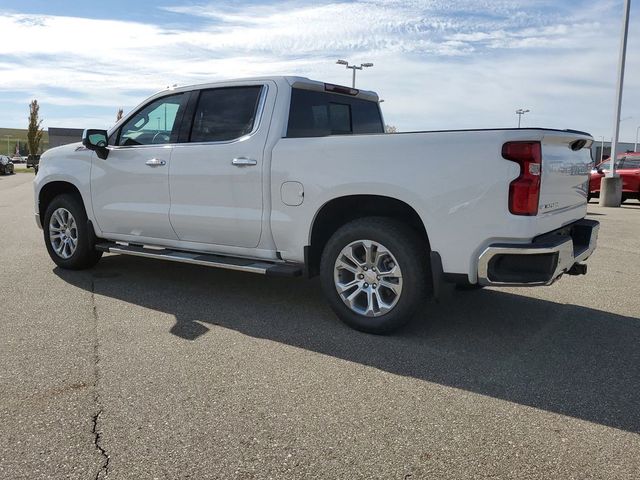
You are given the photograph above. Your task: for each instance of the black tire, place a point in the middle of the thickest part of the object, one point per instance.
(412, 256)
(85, 255)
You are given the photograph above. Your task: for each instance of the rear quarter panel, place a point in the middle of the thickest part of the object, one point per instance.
(457, 182)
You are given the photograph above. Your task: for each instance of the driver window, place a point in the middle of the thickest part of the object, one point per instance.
(154, 124)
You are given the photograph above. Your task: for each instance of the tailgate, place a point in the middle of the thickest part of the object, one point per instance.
(566, 163)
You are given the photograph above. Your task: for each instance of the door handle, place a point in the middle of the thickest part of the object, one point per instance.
(155, 162)
(243, 162)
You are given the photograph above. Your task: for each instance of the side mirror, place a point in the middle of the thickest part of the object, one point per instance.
(96, 140)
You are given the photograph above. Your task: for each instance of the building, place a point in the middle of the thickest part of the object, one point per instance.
(64, 136)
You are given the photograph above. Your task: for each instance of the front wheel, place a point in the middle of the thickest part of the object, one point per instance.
(66, 234)
(375, 274)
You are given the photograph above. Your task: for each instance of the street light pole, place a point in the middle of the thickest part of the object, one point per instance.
(354, 68)
(611, 185)
(635, 145)
(521, 112)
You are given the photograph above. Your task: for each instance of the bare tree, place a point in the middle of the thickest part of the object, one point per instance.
(390, 129)
(119, 114)
(34, 132)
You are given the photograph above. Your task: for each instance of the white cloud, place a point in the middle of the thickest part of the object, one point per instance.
(439, 64)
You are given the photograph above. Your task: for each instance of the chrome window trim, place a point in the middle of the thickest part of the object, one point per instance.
(256, 124)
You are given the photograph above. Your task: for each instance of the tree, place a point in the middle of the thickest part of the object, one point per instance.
(34, 132)
(390, 129)
(119, 114)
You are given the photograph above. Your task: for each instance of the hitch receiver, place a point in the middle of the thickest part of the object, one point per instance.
(578, 269)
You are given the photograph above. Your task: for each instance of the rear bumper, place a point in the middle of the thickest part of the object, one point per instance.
(542, 261)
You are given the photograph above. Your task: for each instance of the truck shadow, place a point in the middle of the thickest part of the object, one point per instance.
(567, 359)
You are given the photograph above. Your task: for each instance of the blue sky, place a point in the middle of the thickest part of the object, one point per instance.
(439, 64)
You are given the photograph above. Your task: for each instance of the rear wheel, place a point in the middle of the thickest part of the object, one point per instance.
(374, 272)
(66, 234)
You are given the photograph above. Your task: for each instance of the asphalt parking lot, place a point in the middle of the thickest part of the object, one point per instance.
(144, 369)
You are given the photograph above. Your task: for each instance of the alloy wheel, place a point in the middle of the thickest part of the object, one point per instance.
(63, 233)
(368, 278)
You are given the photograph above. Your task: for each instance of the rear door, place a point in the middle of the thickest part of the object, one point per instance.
(130, 188)
(216, 174)
(630, 173)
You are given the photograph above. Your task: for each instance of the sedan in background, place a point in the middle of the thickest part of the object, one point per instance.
(628, 167)
(6, 165)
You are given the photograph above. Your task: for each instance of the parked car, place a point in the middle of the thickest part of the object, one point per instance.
(18, 159)
(6, 165)
(628, 167)
(285, 176)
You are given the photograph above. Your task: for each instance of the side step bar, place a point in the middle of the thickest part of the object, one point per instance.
(230, 263)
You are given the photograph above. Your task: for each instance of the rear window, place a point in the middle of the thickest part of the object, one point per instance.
(225, 114)
(319, 114)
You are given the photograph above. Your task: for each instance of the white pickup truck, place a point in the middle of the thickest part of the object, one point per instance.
(289, 176)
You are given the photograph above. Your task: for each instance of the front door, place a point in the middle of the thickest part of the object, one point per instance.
(130, 188)
(216, 176)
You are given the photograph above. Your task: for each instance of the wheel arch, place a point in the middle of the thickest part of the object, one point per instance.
(54, 188)
(341, 210)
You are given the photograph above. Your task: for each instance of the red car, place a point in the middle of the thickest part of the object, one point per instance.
(628, 167)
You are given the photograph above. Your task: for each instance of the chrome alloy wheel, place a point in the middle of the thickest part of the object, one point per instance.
(368, 278)
(63, 233)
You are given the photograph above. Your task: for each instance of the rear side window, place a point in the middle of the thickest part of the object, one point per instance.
(319, 114)
(224, 114)
(629, 163)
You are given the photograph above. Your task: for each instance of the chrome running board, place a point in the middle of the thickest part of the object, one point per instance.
(278, 269)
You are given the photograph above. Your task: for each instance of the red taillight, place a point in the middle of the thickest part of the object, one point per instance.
(524, 191)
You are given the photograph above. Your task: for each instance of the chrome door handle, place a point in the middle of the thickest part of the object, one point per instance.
(155, 162)
(243, 162)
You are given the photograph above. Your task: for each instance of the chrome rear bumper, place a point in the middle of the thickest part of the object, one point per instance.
(542, 261)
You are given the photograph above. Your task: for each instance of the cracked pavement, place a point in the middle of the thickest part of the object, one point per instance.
(145, 369)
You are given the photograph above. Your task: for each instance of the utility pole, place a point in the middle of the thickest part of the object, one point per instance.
(354, 68)
(611, 184)
(635, 145)
(520, 112)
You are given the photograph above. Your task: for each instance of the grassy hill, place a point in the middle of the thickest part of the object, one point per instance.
(14, 135)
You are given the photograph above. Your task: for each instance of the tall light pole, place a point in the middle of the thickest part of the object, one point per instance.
(354, 68)
(611, 184)
(521, 112)
(635, 145)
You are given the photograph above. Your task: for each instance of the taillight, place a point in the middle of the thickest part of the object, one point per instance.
(524, 191)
